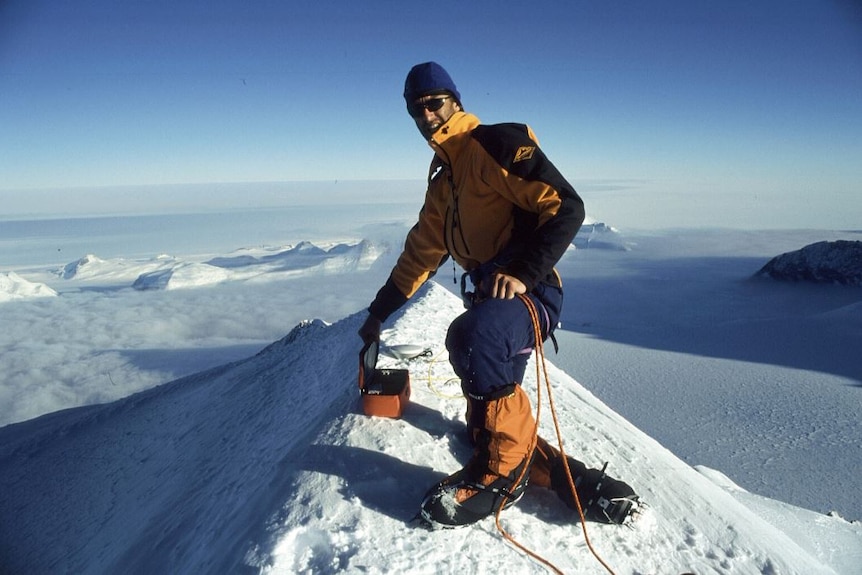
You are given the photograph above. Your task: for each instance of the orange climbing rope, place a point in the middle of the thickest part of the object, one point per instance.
(542, 371)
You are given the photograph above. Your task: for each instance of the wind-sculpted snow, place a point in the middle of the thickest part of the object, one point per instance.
(267, 465)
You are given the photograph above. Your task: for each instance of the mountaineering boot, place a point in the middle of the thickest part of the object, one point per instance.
(497, 473)
(603, 498)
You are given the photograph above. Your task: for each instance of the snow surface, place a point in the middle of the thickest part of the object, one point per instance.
(263, 463)
(13, 286)
(267, 465)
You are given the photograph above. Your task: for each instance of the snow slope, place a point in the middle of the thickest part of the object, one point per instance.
(267, 465)
(14, 287)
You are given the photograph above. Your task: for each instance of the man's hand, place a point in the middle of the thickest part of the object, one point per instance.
(504, 286)
(370, 330)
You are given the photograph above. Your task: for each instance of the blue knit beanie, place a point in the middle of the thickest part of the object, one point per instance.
(428, 79)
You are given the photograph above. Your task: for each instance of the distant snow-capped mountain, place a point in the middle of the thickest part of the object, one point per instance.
(822, 262)
(13, 287)
(598, 235)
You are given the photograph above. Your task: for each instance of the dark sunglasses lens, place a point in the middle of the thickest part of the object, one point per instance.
(434, 105)
(417, 109)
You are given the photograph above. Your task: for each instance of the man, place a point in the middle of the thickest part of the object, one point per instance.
(503, 212)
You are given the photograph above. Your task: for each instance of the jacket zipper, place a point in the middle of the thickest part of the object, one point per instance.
(456, 217)
(455, 210)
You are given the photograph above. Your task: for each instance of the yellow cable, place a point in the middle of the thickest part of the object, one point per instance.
(431, 379)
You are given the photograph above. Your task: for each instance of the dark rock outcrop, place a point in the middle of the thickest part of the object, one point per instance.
(838, 262)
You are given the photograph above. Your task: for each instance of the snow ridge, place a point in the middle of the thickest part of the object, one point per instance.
(268, 465)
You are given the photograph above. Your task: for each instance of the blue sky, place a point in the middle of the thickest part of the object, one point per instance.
(694, 98)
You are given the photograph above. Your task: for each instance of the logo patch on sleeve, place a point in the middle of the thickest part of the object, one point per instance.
(524, 153)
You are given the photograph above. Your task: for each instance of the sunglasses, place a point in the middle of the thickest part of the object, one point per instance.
(417, 109)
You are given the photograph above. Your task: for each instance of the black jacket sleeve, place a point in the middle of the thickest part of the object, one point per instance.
(389, 298)
(534, 249)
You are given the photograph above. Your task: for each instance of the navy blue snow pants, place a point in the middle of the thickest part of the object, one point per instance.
(490, 343)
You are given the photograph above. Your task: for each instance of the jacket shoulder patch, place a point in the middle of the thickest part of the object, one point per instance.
(523, 153)
(508, 144)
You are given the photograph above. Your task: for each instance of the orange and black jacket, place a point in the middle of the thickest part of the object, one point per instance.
(493, 196)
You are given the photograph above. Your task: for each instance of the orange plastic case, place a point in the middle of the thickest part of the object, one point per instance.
(385, 392)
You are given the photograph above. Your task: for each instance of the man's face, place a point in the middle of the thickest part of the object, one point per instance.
(431, 112)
